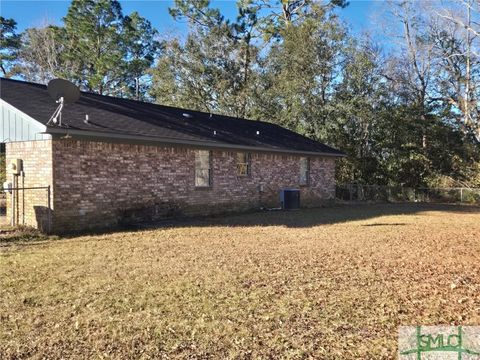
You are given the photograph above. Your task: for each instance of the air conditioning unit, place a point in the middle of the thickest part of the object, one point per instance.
(290, 199)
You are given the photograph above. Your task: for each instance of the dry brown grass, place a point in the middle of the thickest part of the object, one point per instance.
(331, 284)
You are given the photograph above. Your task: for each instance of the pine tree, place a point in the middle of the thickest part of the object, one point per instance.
(142, 49)
(93, 44)
(9, 43)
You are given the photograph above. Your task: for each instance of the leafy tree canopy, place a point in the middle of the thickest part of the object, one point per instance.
(405, 115)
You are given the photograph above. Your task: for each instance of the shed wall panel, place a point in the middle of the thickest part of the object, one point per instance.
(16, 126)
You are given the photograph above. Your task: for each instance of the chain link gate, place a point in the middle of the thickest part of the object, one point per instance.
(28, 206)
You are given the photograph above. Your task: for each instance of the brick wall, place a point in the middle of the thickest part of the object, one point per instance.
(102, 184)
(31, 206)
(98, 184)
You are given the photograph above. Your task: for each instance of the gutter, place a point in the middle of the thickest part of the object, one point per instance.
(150, 140)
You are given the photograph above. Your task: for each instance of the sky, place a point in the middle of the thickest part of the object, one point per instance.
(31, 13)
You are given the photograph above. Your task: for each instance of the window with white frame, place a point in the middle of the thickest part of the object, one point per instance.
(304, 171)
(243, 164)
(202, 168)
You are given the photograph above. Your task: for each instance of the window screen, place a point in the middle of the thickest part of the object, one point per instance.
(243, 164)
(202, 168)
(304, 171)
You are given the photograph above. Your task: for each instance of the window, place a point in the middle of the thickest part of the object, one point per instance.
(202, 168)
(304, 171)
(243, 164)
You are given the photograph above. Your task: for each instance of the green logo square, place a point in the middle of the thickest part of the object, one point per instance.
(439, 342)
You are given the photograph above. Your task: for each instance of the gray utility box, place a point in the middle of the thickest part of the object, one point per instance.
(290, 199)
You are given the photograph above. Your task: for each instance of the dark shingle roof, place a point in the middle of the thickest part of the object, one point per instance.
(110, 116)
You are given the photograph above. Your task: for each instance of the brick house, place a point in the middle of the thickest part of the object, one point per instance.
(115, 160)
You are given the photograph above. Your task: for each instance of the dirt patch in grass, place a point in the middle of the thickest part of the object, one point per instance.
(332, 283)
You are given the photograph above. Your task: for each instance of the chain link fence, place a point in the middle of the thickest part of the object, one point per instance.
(359, 192)
(29, 206)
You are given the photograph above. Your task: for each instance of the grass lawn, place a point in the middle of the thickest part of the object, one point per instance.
(331, 283)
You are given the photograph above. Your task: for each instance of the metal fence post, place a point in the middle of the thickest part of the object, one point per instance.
(12, 202)
(461, 195)
(49, 211)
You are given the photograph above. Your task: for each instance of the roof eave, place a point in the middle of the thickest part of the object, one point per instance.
(171, 141)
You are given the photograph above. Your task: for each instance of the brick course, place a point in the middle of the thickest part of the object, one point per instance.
(100, 184)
